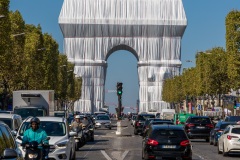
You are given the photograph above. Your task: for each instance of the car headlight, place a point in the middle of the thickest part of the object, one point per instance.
(62, 144)
(32, 155)
(98, 123)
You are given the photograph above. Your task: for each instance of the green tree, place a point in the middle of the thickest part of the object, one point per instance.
(233, 48)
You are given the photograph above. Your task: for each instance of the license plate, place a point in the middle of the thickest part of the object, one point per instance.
(200, 127)
(168, 146)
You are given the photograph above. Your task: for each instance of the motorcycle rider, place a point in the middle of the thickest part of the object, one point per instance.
(36, 134)
(77, 122)
(85, 122)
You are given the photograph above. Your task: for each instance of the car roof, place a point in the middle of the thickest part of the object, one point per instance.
(172, 127)
(48, 118)
(7, 115)
(143, 114)
(198, 117)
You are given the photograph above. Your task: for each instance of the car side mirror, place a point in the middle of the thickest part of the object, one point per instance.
(9, 154)
(14, 133)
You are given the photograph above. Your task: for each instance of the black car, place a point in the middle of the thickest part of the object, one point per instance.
(217, 131)
(8, 147)
(166, 141)
(198, 127)
(140, 120)
(154, 121)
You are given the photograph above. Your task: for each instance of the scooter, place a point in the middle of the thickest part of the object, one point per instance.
(34, 150)
(80, 139)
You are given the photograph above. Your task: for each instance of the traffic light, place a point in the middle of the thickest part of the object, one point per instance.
(119, 88)
(235, 104)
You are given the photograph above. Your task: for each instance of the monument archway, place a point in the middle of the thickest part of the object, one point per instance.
(150, 29)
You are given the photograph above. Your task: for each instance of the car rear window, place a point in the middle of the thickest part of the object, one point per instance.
(236, 130)
(223, 126)
(200, 120)
(165, 134)
(144, 117)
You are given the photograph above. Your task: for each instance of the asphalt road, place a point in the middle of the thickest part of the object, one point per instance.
(109, 146)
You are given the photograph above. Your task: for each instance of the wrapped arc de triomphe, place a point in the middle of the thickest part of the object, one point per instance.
(150, 29)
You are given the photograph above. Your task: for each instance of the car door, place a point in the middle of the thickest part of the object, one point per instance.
(223, 137)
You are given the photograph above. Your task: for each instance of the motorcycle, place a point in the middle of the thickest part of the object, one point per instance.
(34, 150)
(80, 139)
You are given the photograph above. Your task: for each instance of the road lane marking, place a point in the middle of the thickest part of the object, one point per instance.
(124, 154)
(105, 155)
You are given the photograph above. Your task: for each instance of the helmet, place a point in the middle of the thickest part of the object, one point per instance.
(35, 119)
(77, 116)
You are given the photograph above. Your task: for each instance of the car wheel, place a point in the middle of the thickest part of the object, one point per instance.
(214, 142)
(135, 132)
(77, 146)
(92, 138)
(224, 152)
(73, 156)
(207, 139)
(210, 140)
(110, 128)
(219, 152)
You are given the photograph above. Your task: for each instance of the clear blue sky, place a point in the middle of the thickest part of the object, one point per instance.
(205, 30)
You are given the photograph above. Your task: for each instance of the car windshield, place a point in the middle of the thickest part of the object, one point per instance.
(165, 134)
(103, 118)
(7, 122)
(51, 128)
(236, 130)
(25, 112)
(161, 123)
(144, 117)
(200, 120)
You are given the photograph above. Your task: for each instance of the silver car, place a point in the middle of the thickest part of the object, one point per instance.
(103, 121)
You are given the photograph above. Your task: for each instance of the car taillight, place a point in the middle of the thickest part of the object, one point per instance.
(230, 137)
(138, 124)
(190, 125)
(152, 142)
(184, 143)
(210, 125)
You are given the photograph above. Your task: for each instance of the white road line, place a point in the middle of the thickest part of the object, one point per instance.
(124, 154)
(105, 155)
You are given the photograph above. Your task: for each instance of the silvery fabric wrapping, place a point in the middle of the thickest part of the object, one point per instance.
(150, 29)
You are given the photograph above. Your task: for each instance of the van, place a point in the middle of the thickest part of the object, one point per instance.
(182, 117)
(12, 120)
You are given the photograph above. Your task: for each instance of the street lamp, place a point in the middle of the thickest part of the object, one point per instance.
(2, 16)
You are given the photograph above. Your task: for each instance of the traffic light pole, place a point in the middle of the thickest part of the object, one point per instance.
(119, 94)
(119, 107)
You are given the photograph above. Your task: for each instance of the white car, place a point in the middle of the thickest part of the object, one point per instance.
(229, 141)
(62, 142)
(103, 121)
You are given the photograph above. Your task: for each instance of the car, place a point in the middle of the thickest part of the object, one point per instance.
(8, 148)
(133, 119)
(103, 121)
(217, 131)
(140, 120)
(232, 118)
(156, 122)
(12, 120)
(229, 140)
(166, 141)
(62, 142)
(198, 127)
